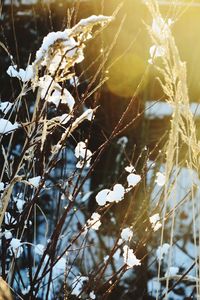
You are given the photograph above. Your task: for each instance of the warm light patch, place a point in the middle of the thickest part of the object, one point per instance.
(125, 75)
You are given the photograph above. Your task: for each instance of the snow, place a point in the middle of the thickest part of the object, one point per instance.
(20, 203)
(39, 249)
(15, 246)
(8, 234)
(74, 81)
(127, 234)
(153, 286)
(130, 169)
(129, 257)
(162, 251)
(5, 106)
(51, 38)
(35, 181)
(68, 99)
(117, 194)
(133, 179)
(83, 154)
(172, 271)
(64, 118)
(90, 21)
(116, 255)
(94, 222)
(77, 284)
(101, 197)
(15, 243)
(9, 219)
(6, 126)
(61, 264)
(155, 221)
(24, 75)
(58, 95)
(92, 295)
(1, 186)
(161, 179)
(161, 109)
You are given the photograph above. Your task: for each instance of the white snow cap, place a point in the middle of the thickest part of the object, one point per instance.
(24, 75)
(129, 257)
(133, 179)
(155, 221)
(77, 284)
(114, 195)
(161, 179)
(5, 106)
(83, 154)
(127, 234)
(162, 251)
(94, 221)
(1, 186)
(35, 181)
(6, 126)
(130, 169)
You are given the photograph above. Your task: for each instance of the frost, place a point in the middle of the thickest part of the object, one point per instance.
(23, 75)
(35, 181)
(5, 106)
(94, 222)
(6, 126)
(133, 179)
(127, 234)
(155, 221)
(129, 257)
(77, 284)
(162, 251)
(161, 179)
(39, 249)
